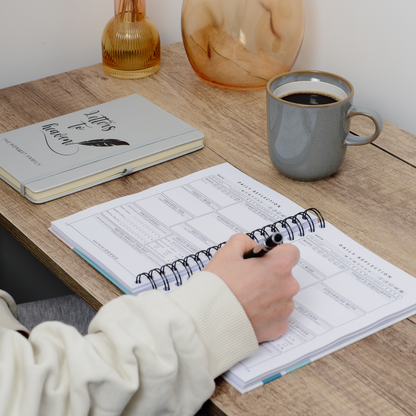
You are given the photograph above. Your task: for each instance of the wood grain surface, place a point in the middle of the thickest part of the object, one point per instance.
(371, 198)
(393, 140)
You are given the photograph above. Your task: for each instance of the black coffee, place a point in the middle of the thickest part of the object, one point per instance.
(310, 98)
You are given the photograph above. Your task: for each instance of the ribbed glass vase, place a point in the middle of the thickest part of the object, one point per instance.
(242, 44)
(130, 42)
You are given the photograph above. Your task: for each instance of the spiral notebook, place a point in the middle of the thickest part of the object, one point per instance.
(157, 238)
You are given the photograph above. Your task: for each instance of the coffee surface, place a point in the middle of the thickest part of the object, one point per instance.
(310, 98)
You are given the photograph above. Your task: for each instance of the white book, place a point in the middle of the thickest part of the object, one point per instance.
(346, 291)
(66, 154)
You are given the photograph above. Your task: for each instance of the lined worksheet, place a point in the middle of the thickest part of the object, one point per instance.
(346, 291)
(134, 234)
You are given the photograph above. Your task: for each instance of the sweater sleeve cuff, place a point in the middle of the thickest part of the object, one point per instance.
(219, 319)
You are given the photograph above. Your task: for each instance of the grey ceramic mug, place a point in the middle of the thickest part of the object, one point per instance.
(308, 142)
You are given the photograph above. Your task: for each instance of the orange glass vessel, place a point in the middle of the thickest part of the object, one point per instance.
(130, 42)
(242, 44)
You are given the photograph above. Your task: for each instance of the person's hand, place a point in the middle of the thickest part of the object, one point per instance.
(264, 286)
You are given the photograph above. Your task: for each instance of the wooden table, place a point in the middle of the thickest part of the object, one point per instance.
(371, 199)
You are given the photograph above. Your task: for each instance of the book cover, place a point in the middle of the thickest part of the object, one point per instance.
(69, 153)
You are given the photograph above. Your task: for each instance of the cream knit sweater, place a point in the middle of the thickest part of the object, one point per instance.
(151, 354)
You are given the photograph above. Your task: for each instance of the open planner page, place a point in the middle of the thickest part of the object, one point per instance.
(346, 293)
(134, 234)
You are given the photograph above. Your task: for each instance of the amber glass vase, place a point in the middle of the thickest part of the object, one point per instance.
(130, 42)
(242, 44)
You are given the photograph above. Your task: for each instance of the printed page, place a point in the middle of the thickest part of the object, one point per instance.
(346, 293)
(140, 232)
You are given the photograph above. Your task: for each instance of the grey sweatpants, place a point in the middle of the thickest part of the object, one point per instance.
(70, 309)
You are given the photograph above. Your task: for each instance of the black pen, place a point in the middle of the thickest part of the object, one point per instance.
(261, 249)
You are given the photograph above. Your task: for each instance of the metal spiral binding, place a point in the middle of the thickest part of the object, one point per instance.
(291, 224)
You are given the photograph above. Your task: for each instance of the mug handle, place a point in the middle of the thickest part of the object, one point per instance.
(373, 115)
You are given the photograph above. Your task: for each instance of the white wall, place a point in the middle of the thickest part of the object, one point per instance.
(39, 38)
(372, 44)
(368, 42)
